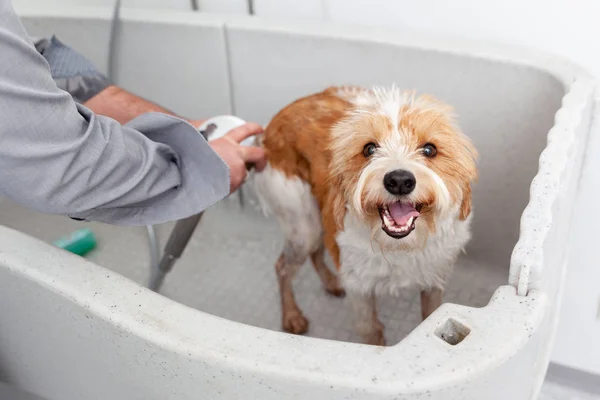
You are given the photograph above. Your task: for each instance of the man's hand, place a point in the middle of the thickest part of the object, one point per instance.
(123, 106)
(237, 156)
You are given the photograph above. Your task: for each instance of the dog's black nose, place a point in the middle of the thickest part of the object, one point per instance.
(399, 182)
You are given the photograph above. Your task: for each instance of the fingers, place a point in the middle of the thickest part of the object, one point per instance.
(245, 131)
(256, 156)
(251, 155)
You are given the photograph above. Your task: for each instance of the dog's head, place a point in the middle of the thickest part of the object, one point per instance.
(402, 164)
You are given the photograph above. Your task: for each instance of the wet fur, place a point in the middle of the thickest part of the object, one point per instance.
(325, 194)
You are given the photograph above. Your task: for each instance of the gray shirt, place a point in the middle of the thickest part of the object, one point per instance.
(58, 157)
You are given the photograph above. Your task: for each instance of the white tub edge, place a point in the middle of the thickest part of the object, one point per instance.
(408, 367)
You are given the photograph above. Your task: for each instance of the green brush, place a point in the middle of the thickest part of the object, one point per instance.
(79, 242)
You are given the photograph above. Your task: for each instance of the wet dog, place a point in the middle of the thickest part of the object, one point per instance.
(381, 178)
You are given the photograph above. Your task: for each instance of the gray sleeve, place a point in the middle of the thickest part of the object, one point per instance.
(71, 71)
(58, 157)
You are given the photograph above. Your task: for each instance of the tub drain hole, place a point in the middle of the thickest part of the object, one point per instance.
(452, 332)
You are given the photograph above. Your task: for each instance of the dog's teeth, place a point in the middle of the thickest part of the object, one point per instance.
(390, 225)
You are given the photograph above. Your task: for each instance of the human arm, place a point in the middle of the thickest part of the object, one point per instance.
(124, 106)
(57, 156)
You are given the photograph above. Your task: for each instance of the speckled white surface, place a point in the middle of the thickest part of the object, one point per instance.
(548, 194)
(550, 391)
(242, 287)
(65, 322)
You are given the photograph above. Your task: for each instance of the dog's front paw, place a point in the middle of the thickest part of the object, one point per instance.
(295, 323)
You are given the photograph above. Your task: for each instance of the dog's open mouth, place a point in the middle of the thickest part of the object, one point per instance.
(398, 219)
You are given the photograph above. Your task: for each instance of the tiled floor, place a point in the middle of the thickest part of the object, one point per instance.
(241, 285)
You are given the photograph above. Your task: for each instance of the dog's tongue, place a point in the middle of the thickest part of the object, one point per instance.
(401, 212)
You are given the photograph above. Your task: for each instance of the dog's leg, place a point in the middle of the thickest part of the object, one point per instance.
(330, 280)
(367, 323)
(293, 320)
(430, 301)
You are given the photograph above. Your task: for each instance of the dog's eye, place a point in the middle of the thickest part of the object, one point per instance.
(429, 150)
(369, 149)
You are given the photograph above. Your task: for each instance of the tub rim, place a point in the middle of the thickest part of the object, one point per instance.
(168, 326)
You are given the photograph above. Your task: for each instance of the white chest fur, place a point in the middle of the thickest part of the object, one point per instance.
(365, 269)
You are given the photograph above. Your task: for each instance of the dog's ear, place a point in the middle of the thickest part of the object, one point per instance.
(333, 211)
(465, 206)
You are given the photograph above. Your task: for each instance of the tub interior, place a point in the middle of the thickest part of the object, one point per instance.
(227, 268)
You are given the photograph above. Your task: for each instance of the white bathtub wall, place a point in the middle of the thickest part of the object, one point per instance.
(89, 33)
(224, 6)
(180, 5)
(20, 4)
(73, 331)
(149, 45)
(556, 247)
(214, 6)
(304, 63)
(296, 9)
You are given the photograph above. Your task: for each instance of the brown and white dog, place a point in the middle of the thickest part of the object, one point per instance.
(382, 180)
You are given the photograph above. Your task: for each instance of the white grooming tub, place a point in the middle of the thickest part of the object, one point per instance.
(72, 330)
